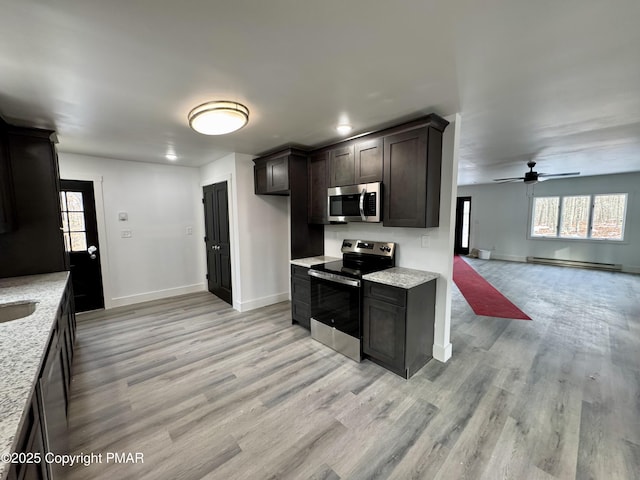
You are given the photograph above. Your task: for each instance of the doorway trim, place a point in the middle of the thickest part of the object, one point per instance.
(102, 232)
(233, 234)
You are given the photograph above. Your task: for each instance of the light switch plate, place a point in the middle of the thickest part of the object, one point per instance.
(123, 216)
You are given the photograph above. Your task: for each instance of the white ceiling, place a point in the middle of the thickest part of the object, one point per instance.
(560, 80)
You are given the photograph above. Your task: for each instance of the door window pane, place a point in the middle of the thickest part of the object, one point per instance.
(74, 202)
(78, 241)
(575, 216)
(608, 216)
(545, 216)
(76, 221)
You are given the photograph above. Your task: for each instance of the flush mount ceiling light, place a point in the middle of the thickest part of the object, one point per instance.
(343, 128)
(218, 118)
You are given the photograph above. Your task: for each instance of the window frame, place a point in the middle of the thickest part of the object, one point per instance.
(588, 238)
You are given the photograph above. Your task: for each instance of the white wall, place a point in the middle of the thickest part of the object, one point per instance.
(160, 259)
(500, 219)
(259, 227)
(437, 257)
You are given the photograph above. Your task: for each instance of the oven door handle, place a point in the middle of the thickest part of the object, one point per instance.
(362, 215)
(334, 278)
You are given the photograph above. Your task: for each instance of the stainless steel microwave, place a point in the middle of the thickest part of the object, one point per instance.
(355, 203)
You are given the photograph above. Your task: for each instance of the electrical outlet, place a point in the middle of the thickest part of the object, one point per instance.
(126, 234)
(189, 231)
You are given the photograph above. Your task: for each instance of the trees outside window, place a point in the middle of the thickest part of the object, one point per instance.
(597, 217)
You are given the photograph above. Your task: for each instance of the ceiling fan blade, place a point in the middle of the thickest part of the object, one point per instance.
(547, 175)
(511, 179)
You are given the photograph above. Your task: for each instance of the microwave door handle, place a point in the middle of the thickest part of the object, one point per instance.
(364, 217)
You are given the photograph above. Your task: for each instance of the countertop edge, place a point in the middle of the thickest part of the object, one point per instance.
(308, 262)
(401, 277)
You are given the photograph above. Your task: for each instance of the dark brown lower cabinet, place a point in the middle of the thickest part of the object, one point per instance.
(31, 444)
(45, 426)
(300, 296)
(398, 326)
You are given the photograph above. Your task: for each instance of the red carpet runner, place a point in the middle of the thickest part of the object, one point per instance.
(483, 298)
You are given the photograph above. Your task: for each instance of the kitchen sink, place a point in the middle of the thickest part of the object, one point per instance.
(16, 310)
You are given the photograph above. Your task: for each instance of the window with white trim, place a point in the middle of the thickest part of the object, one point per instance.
(593, 217)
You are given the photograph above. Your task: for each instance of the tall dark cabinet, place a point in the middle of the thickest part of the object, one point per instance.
(30, 235)
(285, 173)
(318, 184)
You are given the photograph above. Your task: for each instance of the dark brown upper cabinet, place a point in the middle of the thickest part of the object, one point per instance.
(272, 176)
(368, 161)
(341, 166)
(35, 244)
(411, 178)
(318, 184)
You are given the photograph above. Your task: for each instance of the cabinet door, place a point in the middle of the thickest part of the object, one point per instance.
(384, 333)
(341, 170)
(368, 161)
(260, 178)
(53, 404)
(36, 245)
(30, 440)
(7, 214)
(318, 184)
(278, 175)
(405, 177)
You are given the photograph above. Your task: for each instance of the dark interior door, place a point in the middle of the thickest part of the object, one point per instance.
(463, 225)
(216, 219)
(80, 230)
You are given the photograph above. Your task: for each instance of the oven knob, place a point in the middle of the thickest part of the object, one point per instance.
(333, 321)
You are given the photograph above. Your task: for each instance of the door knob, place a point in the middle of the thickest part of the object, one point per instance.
(92, 252)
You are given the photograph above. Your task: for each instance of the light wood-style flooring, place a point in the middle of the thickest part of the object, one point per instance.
(205, 392)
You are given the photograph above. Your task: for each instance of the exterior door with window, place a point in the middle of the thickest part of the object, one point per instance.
(80, 230)
(463, 219)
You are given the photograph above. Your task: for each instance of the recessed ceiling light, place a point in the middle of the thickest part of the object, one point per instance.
(171, 156)
(218, 118)
(344, 128)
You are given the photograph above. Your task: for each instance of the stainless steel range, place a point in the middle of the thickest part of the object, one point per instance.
(336, 294)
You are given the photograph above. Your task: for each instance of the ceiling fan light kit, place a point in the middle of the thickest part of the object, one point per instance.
(218, 117)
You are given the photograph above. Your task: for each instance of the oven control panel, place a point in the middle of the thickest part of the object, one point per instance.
(385, 249)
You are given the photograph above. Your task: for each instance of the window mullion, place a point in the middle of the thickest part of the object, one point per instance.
(592, 207)
(560, 203)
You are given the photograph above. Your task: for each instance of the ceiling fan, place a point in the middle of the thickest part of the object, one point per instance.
(533, 177)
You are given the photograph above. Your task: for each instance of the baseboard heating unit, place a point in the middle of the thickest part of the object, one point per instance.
(574, 263)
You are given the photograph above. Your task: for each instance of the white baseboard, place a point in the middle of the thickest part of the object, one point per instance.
(442, 353)
(155, 295)
(508, 258)
(261, 302)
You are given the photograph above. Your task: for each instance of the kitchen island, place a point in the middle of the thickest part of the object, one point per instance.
(26, 345)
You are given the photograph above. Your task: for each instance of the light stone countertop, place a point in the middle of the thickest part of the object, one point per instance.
(22, 348)
(401, 277)
(308, 262)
